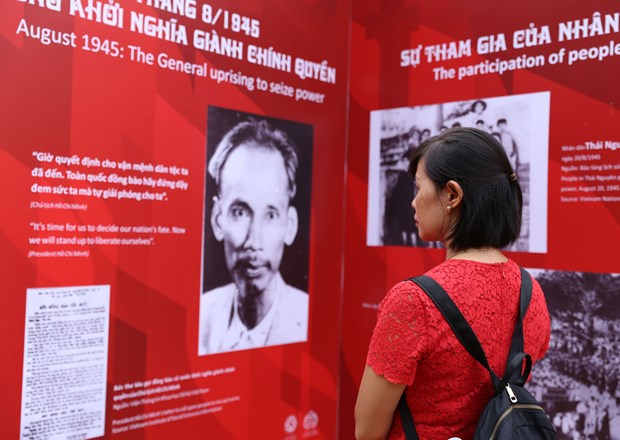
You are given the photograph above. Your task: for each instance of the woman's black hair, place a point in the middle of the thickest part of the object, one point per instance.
(492, 200)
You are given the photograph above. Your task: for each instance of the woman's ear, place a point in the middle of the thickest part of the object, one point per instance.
(454, 193)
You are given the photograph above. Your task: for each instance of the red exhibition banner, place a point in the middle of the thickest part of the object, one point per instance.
(172, 185)
(541, 76)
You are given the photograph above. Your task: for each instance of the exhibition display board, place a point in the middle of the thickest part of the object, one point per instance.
(541, 76)
(205, 201)
(172, 185)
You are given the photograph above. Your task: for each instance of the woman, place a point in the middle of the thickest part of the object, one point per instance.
(468, 197)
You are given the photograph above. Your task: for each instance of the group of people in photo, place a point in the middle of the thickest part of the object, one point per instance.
(578, 379)
(398, 229)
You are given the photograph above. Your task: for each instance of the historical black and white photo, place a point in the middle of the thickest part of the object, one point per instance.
(577, 381)
(520, 124)
(256, 232)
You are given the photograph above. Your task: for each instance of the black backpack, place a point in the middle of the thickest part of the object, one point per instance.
(512, 412)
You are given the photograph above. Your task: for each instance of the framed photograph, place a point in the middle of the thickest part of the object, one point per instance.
(256, 232)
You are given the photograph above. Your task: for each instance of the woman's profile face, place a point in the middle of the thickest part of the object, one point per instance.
(431, 215)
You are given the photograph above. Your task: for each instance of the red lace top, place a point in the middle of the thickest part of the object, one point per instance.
(412, 344)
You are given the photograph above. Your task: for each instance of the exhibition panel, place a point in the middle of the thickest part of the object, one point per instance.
(206, 201)
(172, 177)
(541, 77)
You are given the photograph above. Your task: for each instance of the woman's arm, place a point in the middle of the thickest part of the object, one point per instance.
(376, 403)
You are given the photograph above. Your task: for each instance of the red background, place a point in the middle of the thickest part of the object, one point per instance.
(69, 101)
(584, 107)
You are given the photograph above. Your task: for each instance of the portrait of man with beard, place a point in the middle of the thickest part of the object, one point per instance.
(254, 167)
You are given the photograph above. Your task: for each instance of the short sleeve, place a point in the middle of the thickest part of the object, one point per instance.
(399, 339)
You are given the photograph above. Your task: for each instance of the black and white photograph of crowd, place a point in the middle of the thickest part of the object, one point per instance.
(520, 124)
(577, 381)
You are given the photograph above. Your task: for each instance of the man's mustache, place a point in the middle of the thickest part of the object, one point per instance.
(251, 262)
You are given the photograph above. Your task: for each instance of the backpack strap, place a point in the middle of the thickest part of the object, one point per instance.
(457, 322)
(407, 419)
(466, 335)
(516, 346)
(514, 365)
(515, 373)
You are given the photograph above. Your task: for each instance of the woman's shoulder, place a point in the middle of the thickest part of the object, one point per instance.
(402, 291)
(402, 298)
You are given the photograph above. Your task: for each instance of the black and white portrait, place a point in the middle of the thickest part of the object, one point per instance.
(256, 232)
(519, 122)
(577, 381)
